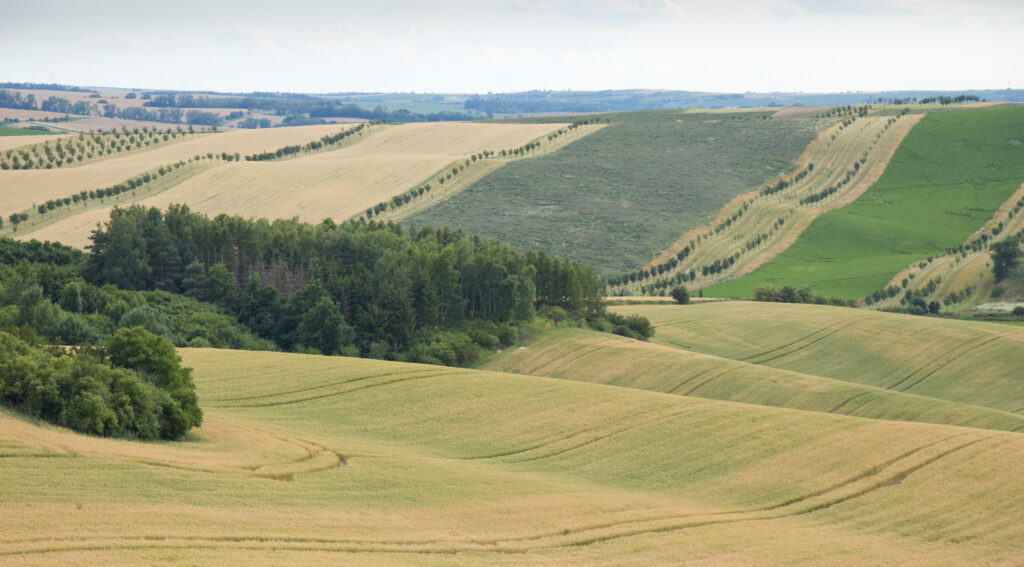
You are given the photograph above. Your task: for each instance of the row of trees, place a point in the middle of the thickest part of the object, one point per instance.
(323, 143)
(789, 294)
(305, 105)
(407, 197)
(85, 147)
(717, 266)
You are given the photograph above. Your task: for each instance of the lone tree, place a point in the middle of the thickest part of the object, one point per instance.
(1005, 257)
(681, 295)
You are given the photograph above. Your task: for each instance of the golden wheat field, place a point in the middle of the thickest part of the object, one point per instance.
(20, 189)
(590, 356)
(958, 361)
(377, 463)
(336, 184)
(11, 142)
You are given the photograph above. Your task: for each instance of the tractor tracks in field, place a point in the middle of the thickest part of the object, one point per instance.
(889, 473)
(929, 369)
(800, 344)
(336, 393)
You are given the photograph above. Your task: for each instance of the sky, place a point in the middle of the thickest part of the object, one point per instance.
(479, 46)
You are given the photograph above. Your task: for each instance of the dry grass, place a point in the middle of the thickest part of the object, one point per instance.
(458, 467)
(958, 361)
(11, 142)
(338, 184)
(798, 112)
(589, 356)
(20, 189)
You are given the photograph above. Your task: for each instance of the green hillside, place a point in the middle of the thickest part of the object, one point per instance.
(619, 196)
(948, 177)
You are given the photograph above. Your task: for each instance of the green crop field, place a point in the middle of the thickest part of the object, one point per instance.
(620, 196)
(960, 361)
(9, 131)
(949, 176)
(317, 460)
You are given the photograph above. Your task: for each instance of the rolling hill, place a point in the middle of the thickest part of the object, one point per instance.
(621, 195)
(387, 463)
(951, 174)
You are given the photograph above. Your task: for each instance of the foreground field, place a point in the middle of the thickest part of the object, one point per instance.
(950, 175)
(959, 361)
(384, 463)
(621, 195)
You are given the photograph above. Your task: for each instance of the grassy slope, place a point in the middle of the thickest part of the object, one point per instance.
(589, 356)
(9, 131)
(960, 361)
(621, 195)
(469, 467)
(948, 177)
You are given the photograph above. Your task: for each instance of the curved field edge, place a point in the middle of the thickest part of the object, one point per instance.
(621, 195)
(834, 170)
(947, 179)
(478, 467)
(588, 356)
(958, 361)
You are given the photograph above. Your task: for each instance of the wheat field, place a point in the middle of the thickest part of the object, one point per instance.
(20, 189)
(337, 184)
(312, 460)
(954, 360)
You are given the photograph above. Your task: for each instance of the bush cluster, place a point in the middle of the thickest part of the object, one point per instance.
(134, 386)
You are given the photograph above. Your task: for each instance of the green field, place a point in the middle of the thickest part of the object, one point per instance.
(619, 196)
(948, 177)
(9, 131)
(317, 460)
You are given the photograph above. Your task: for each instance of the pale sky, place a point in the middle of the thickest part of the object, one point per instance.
(500, 46)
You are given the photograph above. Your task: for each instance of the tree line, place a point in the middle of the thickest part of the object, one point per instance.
(447, 174)
(366, 288)
(324, 142)
(314, 108)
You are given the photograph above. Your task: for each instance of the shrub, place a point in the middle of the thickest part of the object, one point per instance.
(140, 391)
(681, 295)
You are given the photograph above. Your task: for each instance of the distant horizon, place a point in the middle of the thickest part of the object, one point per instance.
(492, 92)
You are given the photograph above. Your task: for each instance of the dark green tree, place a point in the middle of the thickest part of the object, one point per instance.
(1005, 257)
(681, 295)
(156, 360)
(323, 327)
